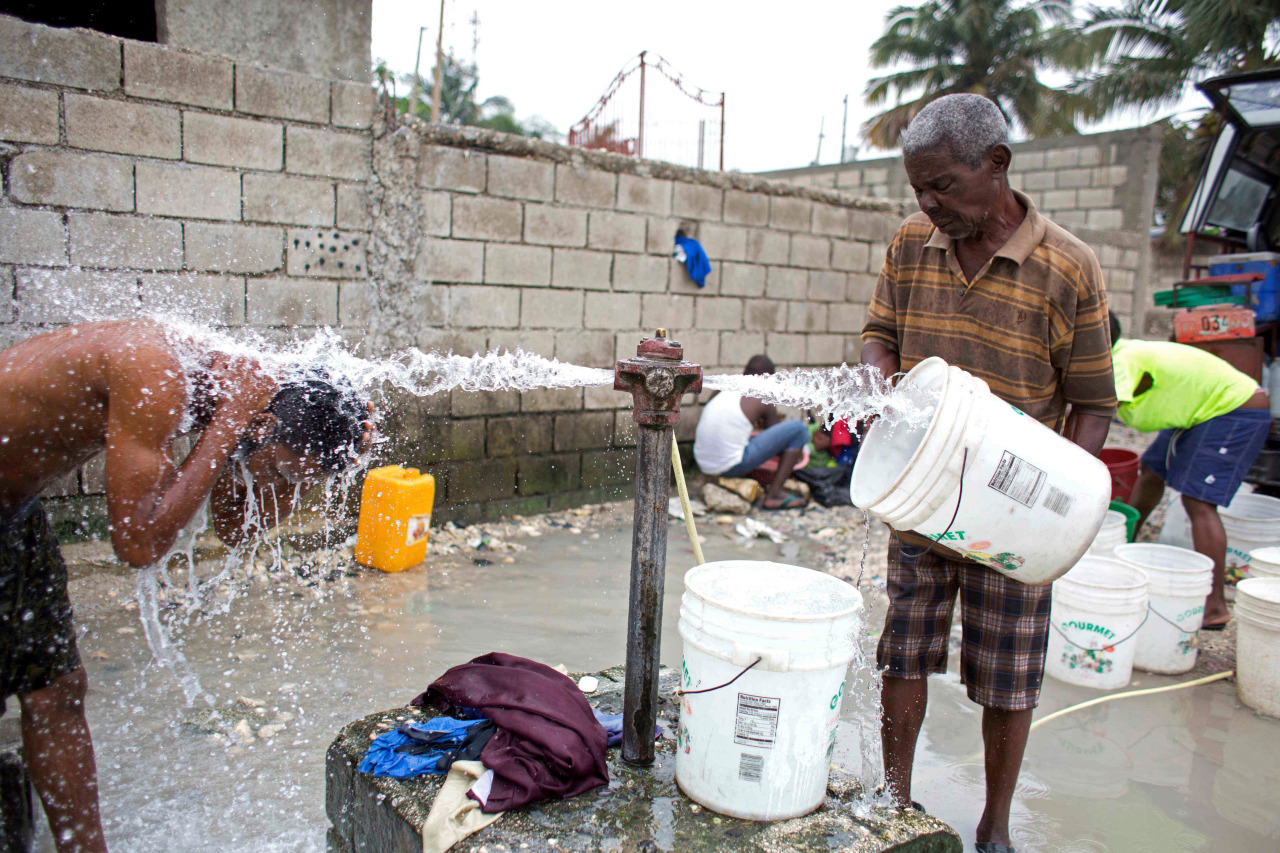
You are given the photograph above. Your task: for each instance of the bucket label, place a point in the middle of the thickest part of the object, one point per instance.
(1018, 479)
(750, 767)
(756, 723)
(1058, 501)
(417, 529)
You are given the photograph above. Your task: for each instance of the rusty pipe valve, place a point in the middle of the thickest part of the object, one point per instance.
(657, 378)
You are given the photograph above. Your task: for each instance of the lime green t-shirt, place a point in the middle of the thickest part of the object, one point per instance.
(1189, 385)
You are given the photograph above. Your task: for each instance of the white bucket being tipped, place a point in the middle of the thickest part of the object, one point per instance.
(1097, 610)
(1250, 520)
(1257, 615)
(1111, 535)
(759, 748)
(981, 477)
(1178, 581)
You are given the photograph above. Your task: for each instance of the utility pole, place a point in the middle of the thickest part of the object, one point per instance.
(435, 92)
(417, 59)
(640, 137)
(821, 126)
(844, 127)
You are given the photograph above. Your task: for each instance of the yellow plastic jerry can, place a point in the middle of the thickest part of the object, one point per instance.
(395, 515)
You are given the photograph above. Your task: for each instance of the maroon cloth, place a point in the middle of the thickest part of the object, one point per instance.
(548, 743)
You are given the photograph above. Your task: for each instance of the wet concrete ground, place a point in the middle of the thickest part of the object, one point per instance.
(1192, 770)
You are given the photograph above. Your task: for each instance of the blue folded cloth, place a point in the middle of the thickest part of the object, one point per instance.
(444, 733)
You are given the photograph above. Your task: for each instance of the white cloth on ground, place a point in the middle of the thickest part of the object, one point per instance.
(722, 434)
(455, 816)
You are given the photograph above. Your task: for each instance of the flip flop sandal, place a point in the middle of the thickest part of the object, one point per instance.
(993, 847)
(789, 501)
(1221, 627)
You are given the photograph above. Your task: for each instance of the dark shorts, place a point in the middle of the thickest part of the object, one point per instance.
(1208, 462)
(1005, 626)
(37, 633)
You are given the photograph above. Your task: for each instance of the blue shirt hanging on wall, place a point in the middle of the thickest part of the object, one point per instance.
(695, 259)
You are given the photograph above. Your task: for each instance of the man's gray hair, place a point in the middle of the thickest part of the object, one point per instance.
(966, 125)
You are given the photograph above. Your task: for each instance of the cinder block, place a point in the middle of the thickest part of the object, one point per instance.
(169, 74)
(583, 431)
(876, 261)
(848, 318)
(589, 349)
(764, 315)
(1129, 259)
(1039, 180)
(790, 214)
(810, 252)
(767, 247)
(1105, 219)
(700, 346)
(214, 299)
(484, 307)
(786, 283)
(518, 177)
(1121, 303)
(737, 348)
(291, 302)
(451, 340)
(356, 304)
(546, 225)
(328, 154)
(877, 175)
(741, 279)
(470, 404)
(862, 287)
(28, 115)
(715, 312)
(537, 475)
(1069, 178)
(32, 237)
(849, 255)
(452, 440)
(198, 192)
(671, 311)
(282, 94)
(461, 170)
(744, 208)
(72, 295)
(288, 200)
(128, 242)
(483, 218)
(1060, 200)
(681, 280)
(621, 232)
(552, 309)
(353, 208)
(482, 480)
(828, 286)
(786, 349)
(831, 220)
(122, 127)
(608, 467)
(225, 141)
(437, 212)
(507, 264)
(64, 178)
(587, 187)
(640, 272)
(644, 195)
(873, 225)
(551, 400)
(696, 201)
(723, 242)
(824, 350)
(449, 260)
(76, 58)
(326, 253)
(585, 270)
(353, 104)
(1095, 198)
(612, 310)
(519, 436)
(539, 341)
(598, 397)
(1028, 161)
(660, 238)
(849, 178)
(806, 317)
(1070, 218)
(1063, 158)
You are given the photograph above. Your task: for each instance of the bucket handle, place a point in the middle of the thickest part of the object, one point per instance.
(964, 461)
(1151, 609)
(1108, 645)
(720, 686)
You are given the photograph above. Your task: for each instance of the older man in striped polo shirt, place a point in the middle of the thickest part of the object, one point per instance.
(982, 279)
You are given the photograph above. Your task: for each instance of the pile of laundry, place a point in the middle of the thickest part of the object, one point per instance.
(514, 731)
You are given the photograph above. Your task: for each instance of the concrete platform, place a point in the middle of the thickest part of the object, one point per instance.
(640, 810)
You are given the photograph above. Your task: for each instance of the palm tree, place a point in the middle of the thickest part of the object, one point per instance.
(987, 47)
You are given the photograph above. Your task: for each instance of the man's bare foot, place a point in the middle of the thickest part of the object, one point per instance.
(1216, 616)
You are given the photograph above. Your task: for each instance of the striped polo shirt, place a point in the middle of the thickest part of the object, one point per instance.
(1032, 324)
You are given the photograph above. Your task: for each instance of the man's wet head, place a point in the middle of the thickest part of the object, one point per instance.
(956, 153)
(313, 427)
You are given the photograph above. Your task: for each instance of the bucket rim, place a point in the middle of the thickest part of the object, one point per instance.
(1259, 501)
(1156, 548)
(1267, 554)
(1265, 591)
(858, 606)
(1140, 583)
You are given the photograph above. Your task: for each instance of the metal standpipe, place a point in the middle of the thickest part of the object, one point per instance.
(657, 377)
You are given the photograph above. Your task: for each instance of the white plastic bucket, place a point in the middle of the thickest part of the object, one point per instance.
(1178, 581)
(981, 477)
(1264, 562)
(1111, 535)
(760, 748)
(1097, 610)
(1251, 521)
(1257, 615)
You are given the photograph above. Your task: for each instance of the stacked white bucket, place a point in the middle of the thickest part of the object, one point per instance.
(1029, 502)
(759, 748)
(1178, 581)
(1251, 521)
(1113, 533)
(1257, 615)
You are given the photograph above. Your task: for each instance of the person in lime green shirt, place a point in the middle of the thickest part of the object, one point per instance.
(1212, 420)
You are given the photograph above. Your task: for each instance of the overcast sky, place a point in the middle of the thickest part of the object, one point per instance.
(784, 66)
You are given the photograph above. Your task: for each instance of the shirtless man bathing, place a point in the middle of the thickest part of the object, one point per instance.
(120, 387)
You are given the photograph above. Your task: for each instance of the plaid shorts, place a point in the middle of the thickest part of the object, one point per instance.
(1005, 626)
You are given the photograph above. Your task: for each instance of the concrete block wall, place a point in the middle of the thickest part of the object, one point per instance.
(1101, 187)
(141, 177)
(484, 241)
